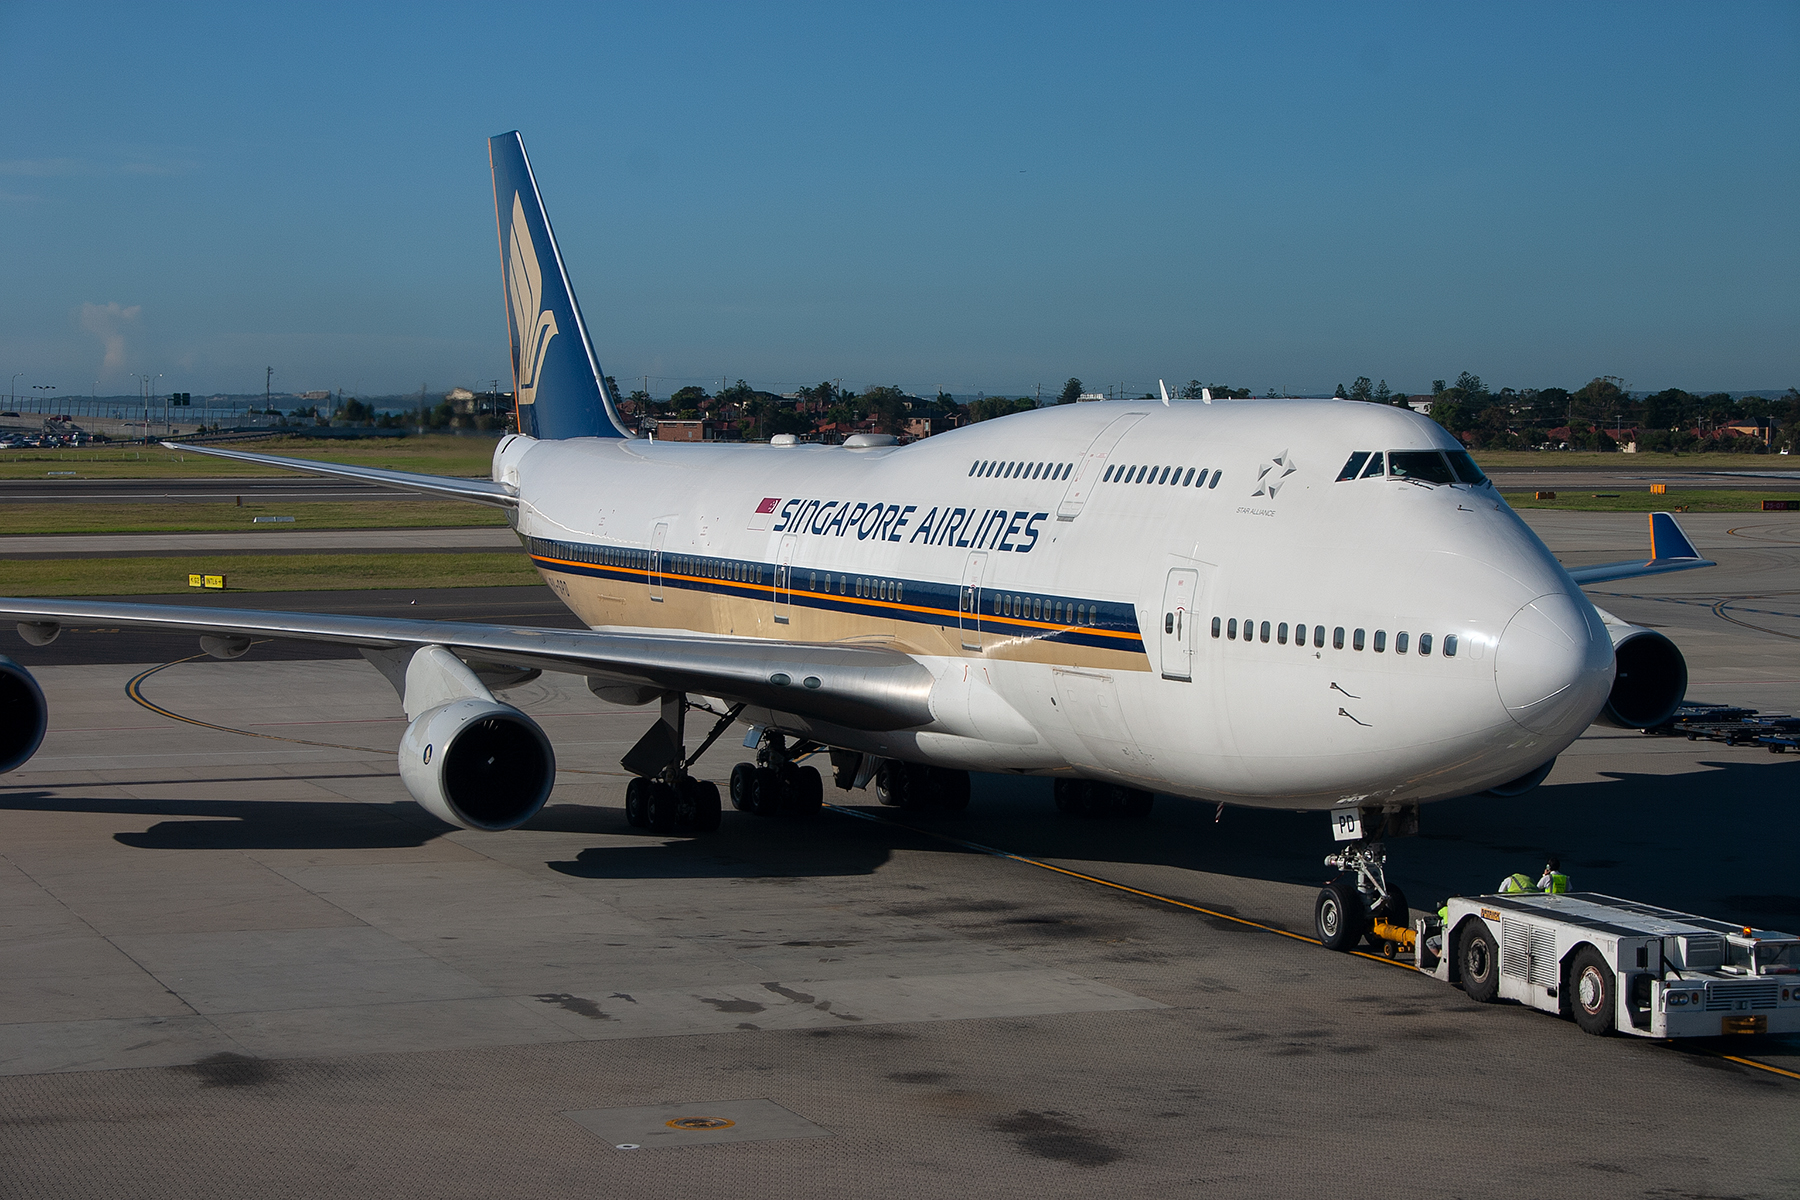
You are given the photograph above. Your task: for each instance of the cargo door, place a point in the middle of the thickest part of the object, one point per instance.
(1092, 466)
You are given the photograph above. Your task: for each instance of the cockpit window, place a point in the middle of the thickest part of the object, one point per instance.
(1427, 466)
(1375, 468)
(1354, 467)
(1465, 467)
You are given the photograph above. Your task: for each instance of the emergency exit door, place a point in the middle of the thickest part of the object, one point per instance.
(1179, 624)
(968, 601)
(784, 567)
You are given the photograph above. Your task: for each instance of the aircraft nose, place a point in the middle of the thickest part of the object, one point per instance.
(1554, 664)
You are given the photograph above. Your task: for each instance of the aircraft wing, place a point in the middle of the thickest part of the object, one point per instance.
(482, 491)
(1670, 550)
(861, 687)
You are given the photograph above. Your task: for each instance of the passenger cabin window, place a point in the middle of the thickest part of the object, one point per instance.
(1400, 642)
(1265, 631)
(1380, 640)
(1215, 627)
(1318, 637)
(1337, 638)
(1449, 645)
(1281, 634)
(1231, 630)
(1356, 640)
(1215, 480)
(1424, 643)
(1427, 466)
(1353, 468)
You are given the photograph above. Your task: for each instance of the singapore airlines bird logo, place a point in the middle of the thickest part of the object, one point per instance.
(535, 327)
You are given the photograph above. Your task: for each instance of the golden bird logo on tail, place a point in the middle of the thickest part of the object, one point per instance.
(533, 326)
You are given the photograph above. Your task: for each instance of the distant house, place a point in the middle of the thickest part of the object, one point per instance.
(696, 431)
(1091, 396)
(1750, 429)
(923, 427)
(457, 393)
(1422, 407)
(315, 396)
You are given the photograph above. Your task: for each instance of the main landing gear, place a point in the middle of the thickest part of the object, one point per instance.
(1085, 798)
(920, 788)
(1360, 903)
(662, 797)
(776, 783)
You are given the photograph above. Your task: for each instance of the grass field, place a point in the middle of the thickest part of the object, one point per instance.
(430, 454)
(263, 573)
(151, 517)
(1568, 460)
(1640, 500)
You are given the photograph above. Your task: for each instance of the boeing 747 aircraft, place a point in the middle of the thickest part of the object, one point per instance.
(1295, 604)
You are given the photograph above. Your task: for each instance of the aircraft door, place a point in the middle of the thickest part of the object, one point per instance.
(656, 554)
(783, 578)
(1092, 466)
(968, 601)
(1179, 624)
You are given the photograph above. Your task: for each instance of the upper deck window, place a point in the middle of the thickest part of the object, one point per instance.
(1427, 466)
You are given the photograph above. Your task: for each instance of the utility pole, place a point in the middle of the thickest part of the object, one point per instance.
(268, 378)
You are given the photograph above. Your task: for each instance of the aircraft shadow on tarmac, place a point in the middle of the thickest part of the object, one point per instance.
(1716, 839)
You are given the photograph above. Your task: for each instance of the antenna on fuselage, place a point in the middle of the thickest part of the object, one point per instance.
(1164, 388)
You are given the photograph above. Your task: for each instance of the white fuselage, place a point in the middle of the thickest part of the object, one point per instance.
(1141, 632)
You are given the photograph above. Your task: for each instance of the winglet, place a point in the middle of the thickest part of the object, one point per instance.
(1165, 392)
(1667, 540)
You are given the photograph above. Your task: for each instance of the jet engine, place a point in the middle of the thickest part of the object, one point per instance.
(467, 758)
(478, 763)
(1650, 681)
(23, 715)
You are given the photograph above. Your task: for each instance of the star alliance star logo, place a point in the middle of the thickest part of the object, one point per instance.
(1271, 475)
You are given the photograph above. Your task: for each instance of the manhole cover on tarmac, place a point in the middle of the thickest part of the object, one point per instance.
(664, 1126)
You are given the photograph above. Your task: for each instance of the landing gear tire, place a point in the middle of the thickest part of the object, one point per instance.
(802, 791)
(1478, 962)
(894, 784)
(1590, 991)
(637, 803)
(1084, 798)
(1338, 915)
(701, 811)
(949, 789)
(743, 787)
(663, 813)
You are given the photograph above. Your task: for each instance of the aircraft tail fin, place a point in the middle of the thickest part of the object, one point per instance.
(559, 390)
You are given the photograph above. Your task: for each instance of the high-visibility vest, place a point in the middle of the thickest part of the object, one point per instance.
(1558, 882)
(1518, 881)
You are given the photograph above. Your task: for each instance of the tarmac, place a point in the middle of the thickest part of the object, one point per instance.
(240, 961)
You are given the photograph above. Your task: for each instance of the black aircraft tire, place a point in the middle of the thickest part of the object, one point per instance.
(1338, 916)
(1138, 804)
(1478, 962)
(765, 792)
(807, 789)
(708, 812)
(743, 783)
(663, 814)
(1591, 984)
(637, 802)
(891, 784)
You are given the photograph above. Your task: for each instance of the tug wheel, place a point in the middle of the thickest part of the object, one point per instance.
(1479, 960)
(1338, 916)
(1591, 992)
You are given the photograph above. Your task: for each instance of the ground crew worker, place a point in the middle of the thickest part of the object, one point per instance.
(1553, 880)
(1518, 881)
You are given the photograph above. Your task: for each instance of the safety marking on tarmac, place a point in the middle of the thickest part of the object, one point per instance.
(993, 852)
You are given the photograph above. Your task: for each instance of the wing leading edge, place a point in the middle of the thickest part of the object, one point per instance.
(1670, 550)
(481, 491)
(858, 687)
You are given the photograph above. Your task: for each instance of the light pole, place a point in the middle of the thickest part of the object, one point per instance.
(12, 390)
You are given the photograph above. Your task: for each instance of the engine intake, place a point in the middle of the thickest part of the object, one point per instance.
(478, 763)
(1650, 681)
(23, 715)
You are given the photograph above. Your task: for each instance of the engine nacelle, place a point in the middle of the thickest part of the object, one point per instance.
(478, 763)
(23, 715)
(1650, 681)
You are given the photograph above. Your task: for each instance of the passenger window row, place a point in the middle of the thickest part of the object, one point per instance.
(1254, 632)
(1425, 466)
(862, 586)
(1037, 608)
(583, 552)
(716, 568)
(1160, 475)
(993, 469)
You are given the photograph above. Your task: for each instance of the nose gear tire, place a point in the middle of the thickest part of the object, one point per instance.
(1338, 915)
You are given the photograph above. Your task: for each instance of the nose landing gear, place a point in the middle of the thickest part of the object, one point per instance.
(1360, 903)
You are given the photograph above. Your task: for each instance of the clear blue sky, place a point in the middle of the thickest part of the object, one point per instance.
(972, 197)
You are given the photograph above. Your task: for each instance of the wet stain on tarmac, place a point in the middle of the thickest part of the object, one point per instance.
(1047, 1135)
(919, 1077)
(733, 1005)
(228, 1070)
(579, 1005)
(790, 993)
